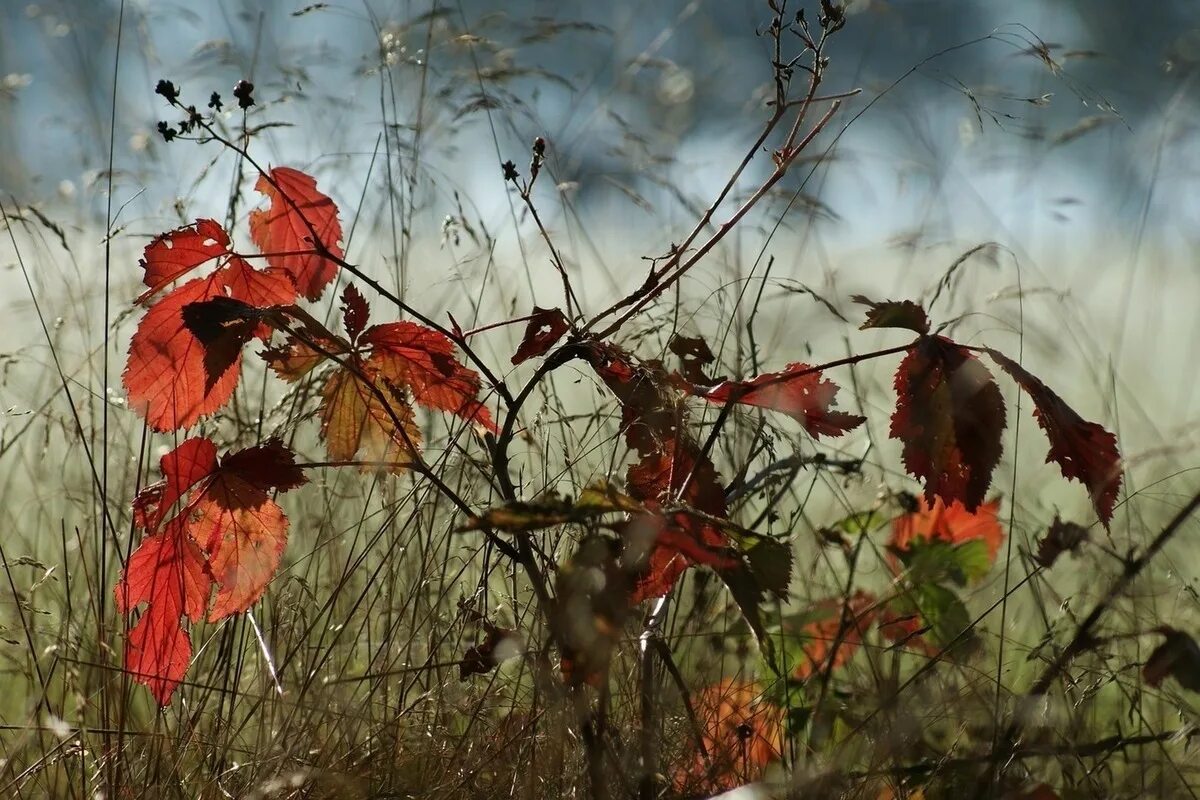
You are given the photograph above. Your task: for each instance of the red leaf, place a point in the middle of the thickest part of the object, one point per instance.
(228, 532)
(894, 314)
(672, 545)
(298, 211)
(1083, 450)
(672, 470)
(652, 410)
(546, 326)
(182, 468)
(422, 360)
(798, 391)
(178, 252)
(952, 524)
(168, 572)
(165, 374)
(949, 414)
(157, 652)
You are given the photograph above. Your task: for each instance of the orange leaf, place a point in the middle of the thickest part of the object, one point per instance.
(285, 232)
(1084, 451)
(842, 622)
(239, 526)
(949, 415)
(797, 391)
(741, 732)
(953, 524)
(355, 420)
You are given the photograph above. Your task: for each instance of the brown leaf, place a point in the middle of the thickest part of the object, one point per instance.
(483, 658)
(1062, 537)
(1178, 657)
(694, 358)
(894, 314)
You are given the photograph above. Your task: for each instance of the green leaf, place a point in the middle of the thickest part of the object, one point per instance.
(937, 561)
(860, 522)
(943, 611)
(766, 568)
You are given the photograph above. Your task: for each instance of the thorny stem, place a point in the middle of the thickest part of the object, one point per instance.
(569, 298)
(661, 284)
(658, 282)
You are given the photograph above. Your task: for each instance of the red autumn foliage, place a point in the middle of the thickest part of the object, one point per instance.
(741, 733)
(797, 390)
(422, 360)
(546, 326)
(949, 415)
(228, 533)
(285, 232)
(673, 470)
(166, 375)
(1083, 450)
(366, 407)
(679, 540)
(172, 255)
(952, 524)
(841, 623)
(173, 378)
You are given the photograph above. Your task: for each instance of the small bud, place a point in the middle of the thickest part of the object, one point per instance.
(510, 171)
(244, 92)
(193, 119)
(168, 133)
(214, 102)
(167, 90)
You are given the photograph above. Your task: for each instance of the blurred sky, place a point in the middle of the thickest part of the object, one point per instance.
(1065, 130)
(687, 76)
